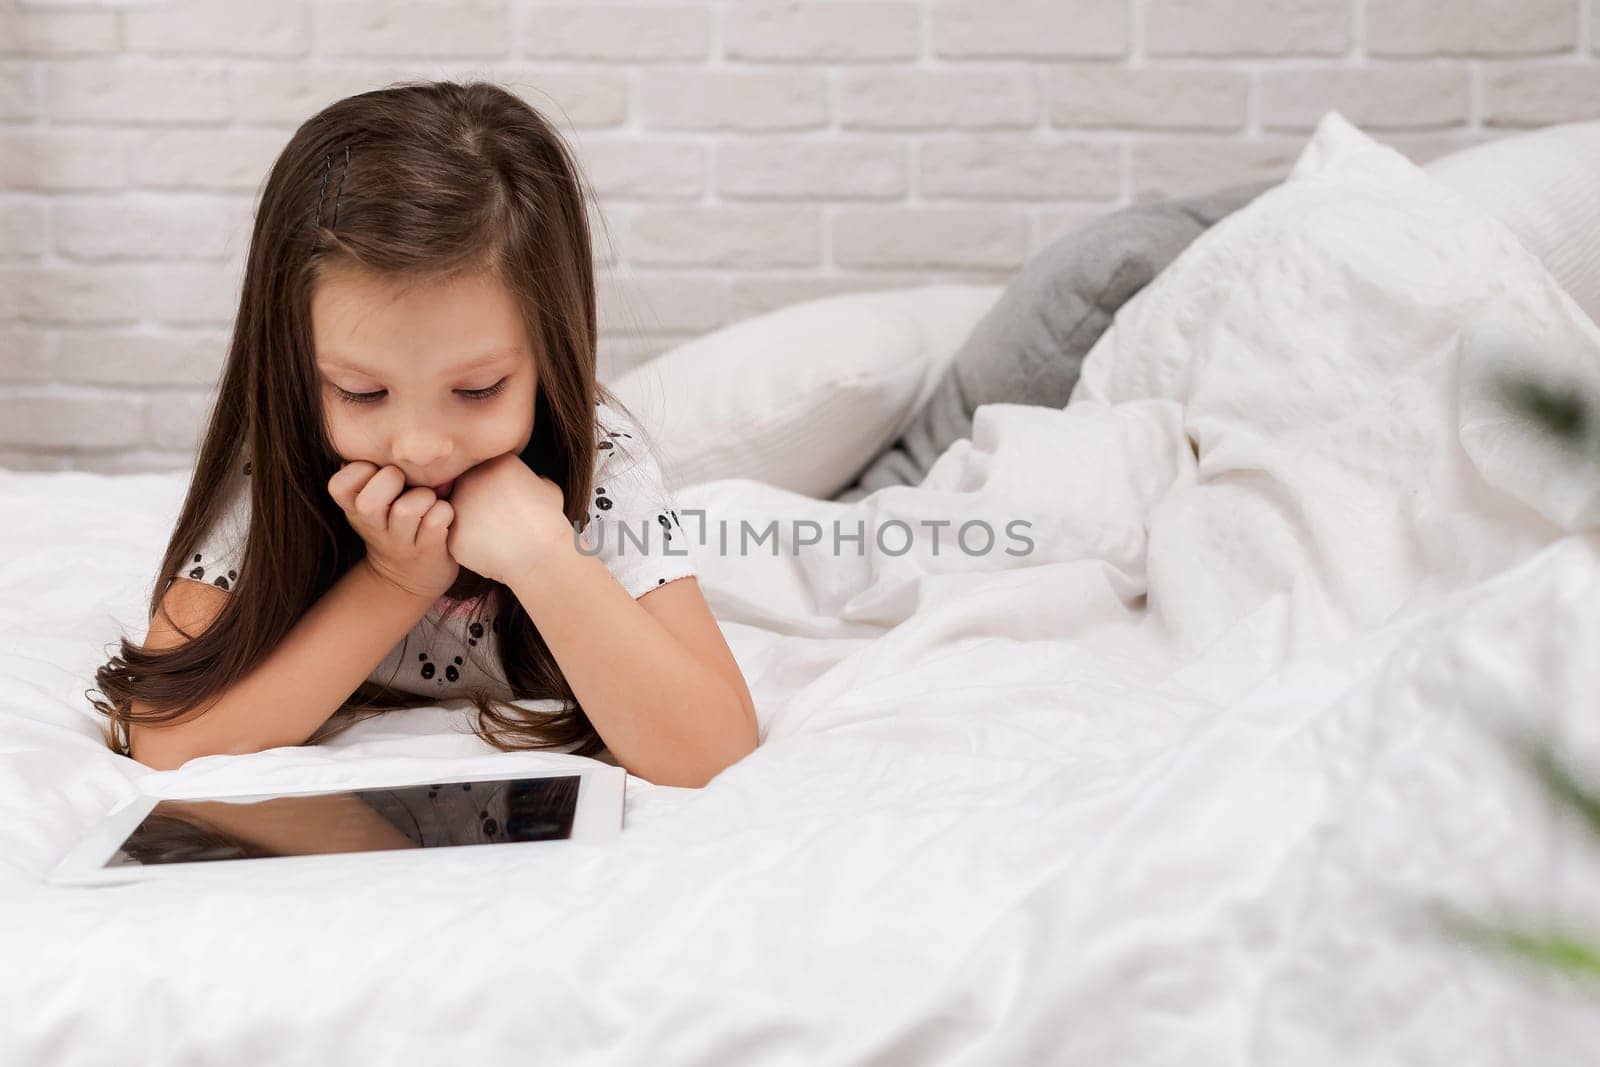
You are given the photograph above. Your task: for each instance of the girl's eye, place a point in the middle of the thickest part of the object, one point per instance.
(373, 398)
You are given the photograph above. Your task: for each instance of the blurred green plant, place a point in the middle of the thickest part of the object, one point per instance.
(1569, 418)
(1561, 411)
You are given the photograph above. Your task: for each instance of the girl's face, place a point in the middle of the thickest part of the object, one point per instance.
(443, 374)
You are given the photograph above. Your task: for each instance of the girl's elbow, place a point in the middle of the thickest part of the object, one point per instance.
(739, 736)
(747, 735)
(744, 738)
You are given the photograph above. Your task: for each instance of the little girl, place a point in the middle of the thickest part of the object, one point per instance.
(408, 440)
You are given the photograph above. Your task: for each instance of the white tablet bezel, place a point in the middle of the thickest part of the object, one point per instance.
(597, 819)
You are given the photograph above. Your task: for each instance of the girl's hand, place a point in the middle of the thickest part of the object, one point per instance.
(507, 518)
(404, 532)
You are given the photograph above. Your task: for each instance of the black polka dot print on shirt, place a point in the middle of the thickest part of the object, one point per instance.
(602, 501)
(452, 672)
(198, 573)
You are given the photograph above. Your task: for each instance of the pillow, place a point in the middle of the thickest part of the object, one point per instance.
(1028, 348)
(1332, 351)
(1545, 187)
(799, 397)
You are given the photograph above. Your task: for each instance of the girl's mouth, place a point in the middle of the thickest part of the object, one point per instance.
(443, 491)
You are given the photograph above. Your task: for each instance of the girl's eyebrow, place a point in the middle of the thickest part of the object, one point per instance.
(471, 364)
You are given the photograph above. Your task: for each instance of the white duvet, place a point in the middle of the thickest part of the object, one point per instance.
(1168, 789)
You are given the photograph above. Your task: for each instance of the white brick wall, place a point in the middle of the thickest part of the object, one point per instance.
(747, 153)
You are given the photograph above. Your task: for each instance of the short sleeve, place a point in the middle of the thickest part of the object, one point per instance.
(218, 558)
(633, 521)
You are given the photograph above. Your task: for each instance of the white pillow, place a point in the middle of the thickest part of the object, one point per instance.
(804, 396)
(1319, 352)
(1331, 351)
(1545, 186)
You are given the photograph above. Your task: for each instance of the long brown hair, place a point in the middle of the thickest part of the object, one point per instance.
(423, 182)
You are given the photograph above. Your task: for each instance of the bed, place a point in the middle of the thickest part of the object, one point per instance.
(1174, 785)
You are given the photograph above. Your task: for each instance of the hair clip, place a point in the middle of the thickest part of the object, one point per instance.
(316, 219)
(340, 194)
(322, 194)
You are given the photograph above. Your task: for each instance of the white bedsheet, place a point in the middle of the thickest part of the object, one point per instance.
(1166, 790)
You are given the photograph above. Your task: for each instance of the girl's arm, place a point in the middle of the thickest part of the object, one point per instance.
(297, 686)
(668, 714)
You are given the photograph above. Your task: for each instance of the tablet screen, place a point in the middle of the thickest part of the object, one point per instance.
(361, 820)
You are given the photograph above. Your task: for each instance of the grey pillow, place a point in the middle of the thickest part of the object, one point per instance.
(1029, 347)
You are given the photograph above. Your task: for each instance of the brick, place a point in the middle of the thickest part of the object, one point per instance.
(69, 294)
(936, 99)
(615, 31)
(643, 169)
(1152, 98)
(23, 229)
(725, 236)
(43, 417)
(432, 32)
(199, 295)
(20, 99)
(34, 459)
(571, 98)
(142, 228)
(835, 169)
(145, 92)
(225, 160)
(130, 461)
(288, 94)
(1370, 97)
(25, 355)
(820, 33)
(219, 27)
(28, 33)
(1050, 226)
(1247, 27)
(1030, 29)
(642, 303)
(175, 422)
(1187, 166)
(910, 237)
(1542, 94)
(987, 167)
(601, 243)
(1472, 27)
(117, 357)
(708, 100)
(50, 160)
(759, 294)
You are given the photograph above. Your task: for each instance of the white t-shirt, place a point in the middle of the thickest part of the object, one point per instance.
(633, 528)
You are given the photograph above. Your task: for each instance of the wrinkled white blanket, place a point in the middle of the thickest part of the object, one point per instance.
(1169, 788)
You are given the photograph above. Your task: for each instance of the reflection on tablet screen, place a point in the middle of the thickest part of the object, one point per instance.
(363, 820)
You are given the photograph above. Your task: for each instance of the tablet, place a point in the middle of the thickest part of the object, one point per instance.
(151, 837)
